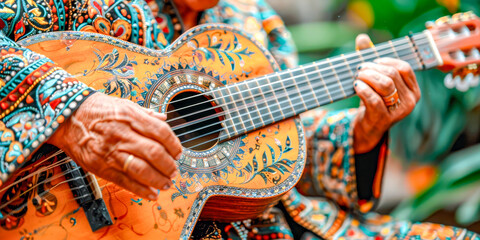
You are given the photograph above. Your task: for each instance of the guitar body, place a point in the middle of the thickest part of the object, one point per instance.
(226, 181)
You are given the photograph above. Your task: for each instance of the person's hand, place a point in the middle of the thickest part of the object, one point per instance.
(121, 142)
(374, 81)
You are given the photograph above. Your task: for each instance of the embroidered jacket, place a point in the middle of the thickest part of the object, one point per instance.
(37, 96)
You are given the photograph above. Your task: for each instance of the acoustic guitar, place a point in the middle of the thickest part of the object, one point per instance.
(233, 110)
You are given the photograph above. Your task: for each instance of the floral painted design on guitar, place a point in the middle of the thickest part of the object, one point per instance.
(220, 47)
(122, 72)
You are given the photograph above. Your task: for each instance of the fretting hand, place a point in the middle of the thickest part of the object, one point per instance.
(388, 90)
(119, 141)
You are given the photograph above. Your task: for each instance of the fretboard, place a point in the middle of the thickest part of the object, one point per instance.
(261, 101)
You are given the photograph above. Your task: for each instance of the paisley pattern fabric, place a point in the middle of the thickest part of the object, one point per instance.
(37, 96)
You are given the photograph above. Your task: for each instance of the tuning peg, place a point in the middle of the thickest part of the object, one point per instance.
(460, 56)
(448, 81)
(465, 31)
(472, 79)
(474, 53)
(462, 84)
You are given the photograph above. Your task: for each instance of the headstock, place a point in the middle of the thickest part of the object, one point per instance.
(458, 42)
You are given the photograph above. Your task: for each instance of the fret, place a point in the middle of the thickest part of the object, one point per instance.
(273, 103)
(367, 56)
(359, 54)
(374, 49)
(303, 78)
(282, 95)
(294, 94)
(323, 81)
(232, 111)
(242, 107)
(252, 109)
(354, 61)
(412, 47)
(228, 123)
(426, 52)
(262, 104)
(394, 50)
(332, 67)
(347, 64)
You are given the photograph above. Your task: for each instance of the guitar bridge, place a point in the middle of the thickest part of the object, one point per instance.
(91, 201)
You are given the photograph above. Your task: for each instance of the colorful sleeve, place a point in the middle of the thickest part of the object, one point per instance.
(331, 168)
(280, 42)
(36, 96)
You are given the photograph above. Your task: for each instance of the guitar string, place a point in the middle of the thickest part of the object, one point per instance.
(301, 90)
(287, 92)
(351, 54)
(43, 169)
(323, 77)
(35, 165)
(388, 44)
(58, 163)
(374, 52)
(329, 78)
(337, 91)
(56, 176)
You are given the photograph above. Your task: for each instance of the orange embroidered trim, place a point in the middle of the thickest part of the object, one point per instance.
(13, 99)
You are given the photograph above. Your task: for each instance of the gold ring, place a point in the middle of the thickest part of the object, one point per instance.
(127, 162)
(392, 101)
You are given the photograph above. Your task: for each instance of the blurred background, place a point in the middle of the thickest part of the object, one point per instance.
(433, 172)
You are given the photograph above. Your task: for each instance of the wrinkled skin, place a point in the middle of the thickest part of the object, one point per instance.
(374, 81)
(105, 130)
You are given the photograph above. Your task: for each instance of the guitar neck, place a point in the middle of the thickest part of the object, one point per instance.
(257, 102)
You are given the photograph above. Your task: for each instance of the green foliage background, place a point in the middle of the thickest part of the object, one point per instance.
(444, 128)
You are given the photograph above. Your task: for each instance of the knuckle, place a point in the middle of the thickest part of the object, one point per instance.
(391, 72)
(156, 150)
(137, 167)
(375, 101)
(404, 67)
(388, 85)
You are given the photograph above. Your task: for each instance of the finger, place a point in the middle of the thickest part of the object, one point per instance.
(138, 169)
(363, 41)
(381, 83)
(157, 130)
(374, 104)
(406, 71)
(155, 114)
(152, 152)
(129, 184)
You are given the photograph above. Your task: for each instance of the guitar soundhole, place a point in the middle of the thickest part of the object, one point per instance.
(195, 120)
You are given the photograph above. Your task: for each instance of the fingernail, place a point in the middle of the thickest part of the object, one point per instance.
(359, 84)
(166, 187)
(178, 156)
(174, 174)
(152, 197)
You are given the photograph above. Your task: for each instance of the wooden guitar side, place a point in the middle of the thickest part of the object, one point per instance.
(240, 177)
